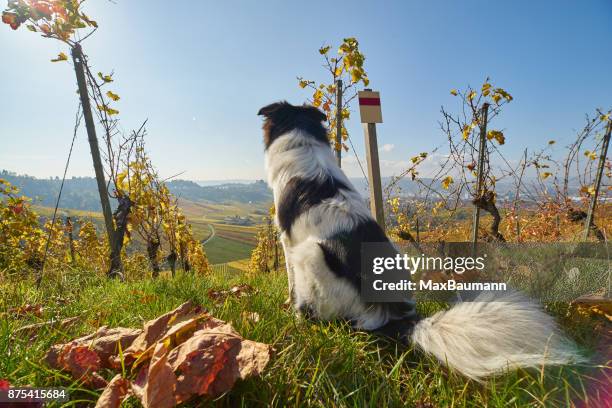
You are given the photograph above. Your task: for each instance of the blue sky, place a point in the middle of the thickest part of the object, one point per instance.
(200, 70)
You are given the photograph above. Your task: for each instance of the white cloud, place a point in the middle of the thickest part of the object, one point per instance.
(387, 148)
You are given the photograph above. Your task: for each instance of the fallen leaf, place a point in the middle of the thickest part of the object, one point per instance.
(82, 363)
(117, 390)
(28, 309)
(156, 329)
(32, 329)
(219, 295)
(181, 354)
(103, 342)
(160, 385)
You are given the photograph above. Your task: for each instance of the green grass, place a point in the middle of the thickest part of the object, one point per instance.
(314, 364)
(221, 250)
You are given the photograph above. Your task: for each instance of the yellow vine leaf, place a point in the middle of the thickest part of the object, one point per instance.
(113, 96)
(486, 89)
(497, 135)
(545, 175)
(60, 57)
(472, 95)
(448, 180)
(105, 78)
(590, 190)
(454, 92)
(109, 111)
(317, 98)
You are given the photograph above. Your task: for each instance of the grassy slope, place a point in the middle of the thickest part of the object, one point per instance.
(315, 364)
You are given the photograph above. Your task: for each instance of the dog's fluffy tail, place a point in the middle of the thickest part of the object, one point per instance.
(492, 334)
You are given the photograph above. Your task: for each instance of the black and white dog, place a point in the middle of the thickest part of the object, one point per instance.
(323, 222)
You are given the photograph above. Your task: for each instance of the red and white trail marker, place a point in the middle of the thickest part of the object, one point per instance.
(369, 107)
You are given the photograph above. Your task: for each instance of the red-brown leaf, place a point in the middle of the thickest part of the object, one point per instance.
(115, 392)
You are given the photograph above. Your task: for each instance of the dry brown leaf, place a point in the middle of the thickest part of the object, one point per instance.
(82, 363)
(156, 329)
(103, 342)
(31, 330)
(219, 295)
(27, 309)
(179, 355)
(117, 390)
(160, 381)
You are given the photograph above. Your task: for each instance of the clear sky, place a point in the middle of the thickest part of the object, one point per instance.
(200, 70)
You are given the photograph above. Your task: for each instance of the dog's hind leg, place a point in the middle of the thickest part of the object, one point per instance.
(290, 272)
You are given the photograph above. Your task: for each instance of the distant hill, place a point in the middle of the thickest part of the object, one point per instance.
(256, 192)
(81, 193)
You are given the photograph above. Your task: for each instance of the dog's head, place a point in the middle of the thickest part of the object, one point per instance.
(282, 117)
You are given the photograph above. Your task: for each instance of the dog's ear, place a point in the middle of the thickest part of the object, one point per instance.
(269, 110)
(315, 113)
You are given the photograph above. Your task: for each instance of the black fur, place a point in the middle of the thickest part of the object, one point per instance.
(300, 195)
(342, 255)
(282, 117)
(400, 330)
(343, 252)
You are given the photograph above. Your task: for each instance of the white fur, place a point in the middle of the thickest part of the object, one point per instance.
(478, 339)
(494, 333)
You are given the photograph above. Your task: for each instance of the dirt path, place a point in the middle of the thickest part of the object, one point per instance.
(212, 234)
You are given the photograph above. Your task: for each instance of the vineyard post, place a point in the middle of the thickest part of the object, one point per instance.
(338, 142)
(600, 168)
(480, 181)
(371, 114)
(77, 57)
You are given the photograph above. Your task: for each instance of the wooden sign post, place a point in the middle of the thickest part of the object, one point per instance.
(371, 114)
(338, 144)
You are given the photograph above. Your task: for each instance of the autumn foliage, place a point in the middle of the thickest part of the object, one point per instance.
(347, 65)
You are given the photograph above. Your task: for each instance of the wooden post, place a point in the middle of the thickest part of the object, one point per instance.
(376, 202)
(338, 144)
(77, 57)
(600, 168)
(371, 114)
(481, 163)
